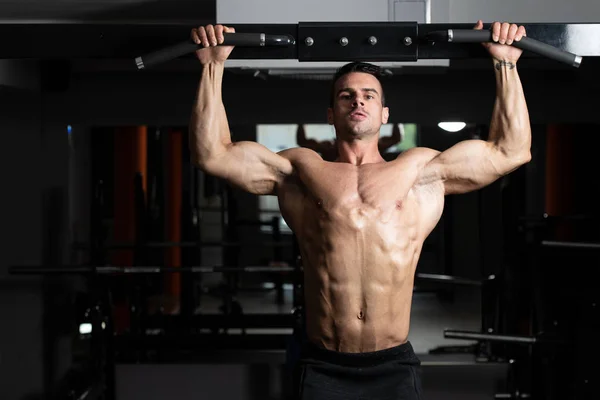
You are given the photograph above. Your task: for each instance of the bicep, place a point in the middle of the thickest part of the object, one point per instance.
(469, 165)
(249, 166)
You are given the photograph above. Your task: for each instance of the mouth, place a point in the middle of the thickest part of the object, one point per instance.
(358, 115)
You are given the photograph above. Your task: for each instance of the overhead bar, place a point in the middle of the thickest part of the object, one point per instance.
(365, 41)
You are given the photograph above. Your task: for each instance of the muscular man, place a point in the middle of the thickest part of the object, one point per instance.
(327, 149)
(360, 221)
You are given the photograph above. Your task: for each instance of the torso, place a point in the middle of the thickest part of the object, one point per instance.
(360, 231)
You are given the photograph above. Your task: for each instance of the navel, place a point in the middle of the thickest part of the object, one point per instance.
(361, 315)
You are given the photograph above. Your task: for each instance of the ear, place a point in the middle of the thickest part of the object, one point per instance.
(385, 115)
(330, 116)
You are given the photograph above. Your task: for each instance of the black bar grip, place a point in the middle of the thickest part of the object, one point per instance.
(229, 39)
(526, 43)
(451, 334)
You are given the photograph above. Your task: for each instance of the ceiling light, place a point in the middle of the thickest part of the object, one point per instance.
(452, 126)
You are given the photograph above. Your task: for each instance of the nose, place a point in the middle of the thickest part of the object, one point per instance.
(358, 101)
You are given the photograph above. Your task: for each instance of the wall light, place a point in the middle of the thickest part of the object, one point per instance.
(452, 126)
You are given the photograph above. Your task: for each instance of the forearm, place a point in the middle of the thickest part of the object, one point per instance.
(209, 129)
(510, 129)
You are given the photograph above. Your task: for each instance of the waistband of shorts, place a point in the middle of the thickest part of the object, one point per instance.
(403, 353)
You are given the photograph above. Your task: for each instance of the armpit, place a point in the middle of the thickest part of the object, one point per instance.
(420, 160)
(426, 192)
(430, 199)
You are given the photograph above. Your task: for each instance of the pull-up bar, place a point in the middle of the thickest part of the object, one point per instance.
(374, 41)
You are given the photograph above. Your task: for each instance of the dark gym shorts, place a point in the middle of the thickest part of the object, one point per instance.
(389, 374)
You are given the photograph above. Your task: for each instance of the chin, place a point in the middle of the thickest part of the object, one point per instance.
(356, 130)
(362, 131)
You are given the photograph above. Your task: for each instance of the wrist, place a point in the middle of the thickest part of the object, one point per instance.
(500, 64)
(213, 64)
(213, 70)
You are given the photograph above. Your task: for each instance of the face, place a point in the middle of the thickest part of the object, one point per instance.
(357, 110)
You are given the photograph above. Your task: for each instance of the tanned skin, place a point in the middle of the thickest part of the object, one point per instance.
(360, 221)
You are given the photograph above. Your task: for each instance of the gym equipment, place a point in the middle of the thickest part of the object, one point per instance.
(230, 39)
(547, 352)
(111, 270)
(204, 243)
(115, 270)
(570, 245)
(526, 43)
(468, 335)
(367, 41)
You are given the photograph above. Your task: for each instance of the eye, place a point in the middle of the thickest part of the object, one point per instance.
(369, 97)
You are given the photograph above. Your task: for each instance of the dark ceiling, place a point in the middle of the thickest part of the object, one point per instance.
(179, 11)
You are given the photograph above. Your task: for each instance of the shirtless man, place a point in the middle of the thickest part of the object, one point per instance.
(360, 221)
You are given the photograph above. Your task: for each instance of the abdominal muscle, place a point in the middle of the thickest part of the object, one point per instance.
(359, 274)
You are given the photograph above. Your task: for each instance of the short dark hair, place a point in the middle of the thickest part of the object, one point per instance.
(357, 66)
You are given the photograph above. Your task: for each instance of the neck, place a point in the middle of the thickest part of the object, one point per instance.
(359, 151)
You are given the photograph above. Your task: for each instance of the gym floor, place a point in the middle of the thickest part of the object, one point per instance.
(444, 376)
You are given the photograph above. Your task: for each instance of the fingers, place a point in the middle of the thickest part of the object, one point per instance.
(210, 35)
(226, 29)
(199, 36)
(496, 31)
(478, 25)
(219, 34)
(505, 33)
(195, 37)
(520, 33)
(512, 31)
